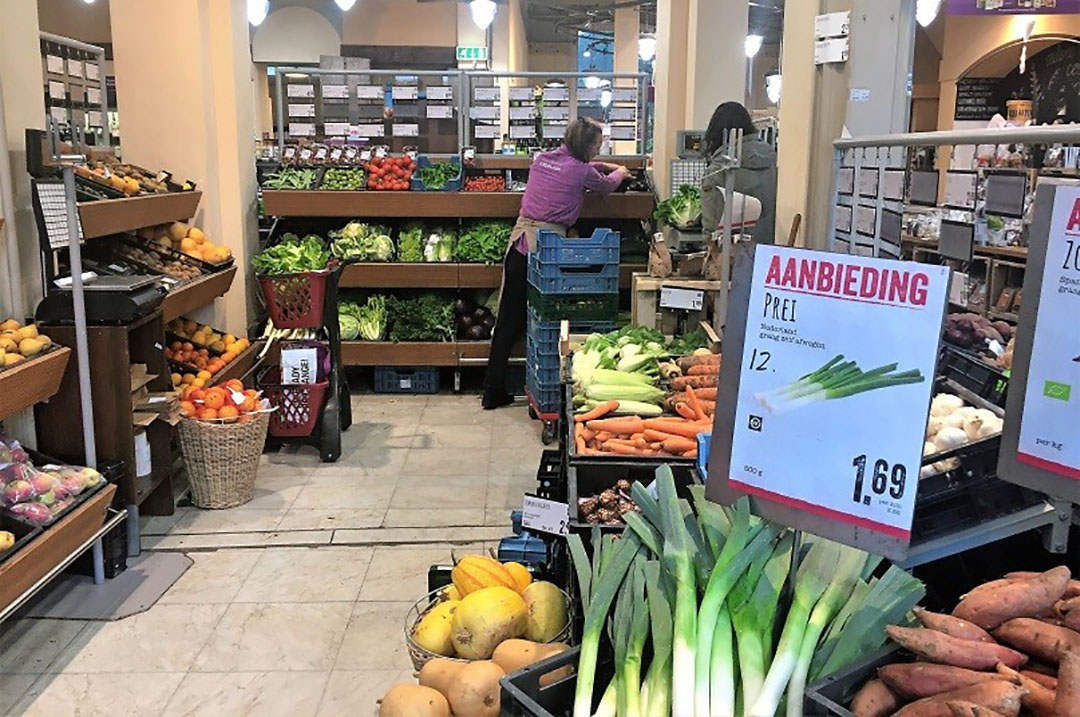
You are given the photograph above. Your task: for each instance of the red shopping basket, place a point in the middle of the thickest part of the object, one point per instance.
(298, 407)
(296, 300)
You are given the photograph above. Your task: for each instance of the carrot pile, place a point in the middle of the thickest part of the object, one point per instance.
(701, 374)
(637, 436)
(1009, 647)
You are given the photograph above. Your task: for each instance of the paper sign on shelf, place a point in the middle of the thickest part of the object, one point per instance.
(336, 129)
(75, 68)
(488, 113)
(556, 94)
(370, 92)
(554, 131)
(622, 132)
(833, 24)
(677, 297)
(439, 92)
(93, 96)
(617, 114)
(588, 94)
(486, 131)
(301, 129)
(831, 50)
(522, 113)
(54, 64)
(556, 113)
(299, 365)
(547, 516)
(304, 110)
(57, 91)
(486, 94)
(335, 92)
(405, 130)
(848, 452)
(440, 112)
(624, 95)
(367, 130)
(527, 131)
(407, 92)
(1048, 435)
(522, 94)
(300, 91)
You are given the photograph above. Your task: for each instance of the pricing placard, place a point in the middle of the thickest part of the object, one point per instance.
(1048, 435)
(834, 385)
(547, 516)
(335, 92)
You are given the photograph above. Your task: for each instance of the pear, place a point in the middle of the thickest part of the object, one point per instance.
(10, 325)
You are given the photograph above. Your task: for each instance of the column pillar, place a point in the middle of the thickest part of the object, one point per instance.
(716, 57)
(627, 32)
(23, 107)
(669, 79)
(212, 142)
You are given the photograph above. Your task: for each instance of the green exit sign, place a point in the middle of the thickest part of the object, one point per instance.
(472, 54)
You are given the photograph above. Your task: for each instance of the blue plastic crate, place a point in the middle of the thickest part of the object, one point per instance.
(543, 367)
(545, 334)
(555, 279)
(600, 248)
(545, 395)
(396, 379)
(452, 185)
(704, 442)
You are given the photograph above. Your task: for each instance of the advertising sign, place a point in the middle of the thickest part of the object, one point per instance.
(1012, 7)
(1049, 438)
(833, 389)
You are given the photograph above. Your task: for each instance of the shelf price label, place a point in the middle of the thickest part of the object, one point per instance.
(547, 516)
(834, 389)
(1048, 437)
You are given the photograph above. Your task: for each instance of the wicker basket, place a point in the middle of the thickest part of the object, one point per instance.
(222, 459)
(423, 606)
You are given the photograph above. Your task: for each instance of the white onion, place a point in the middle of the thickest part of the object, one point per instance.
(953, 420)
(965, 411)
(927, 471)
(990, 428)
(972, 425)
(986, 415)
(938, 409)
(947, 465)
(945, 403)
(933, 426)
(950, 437)
(928, 448)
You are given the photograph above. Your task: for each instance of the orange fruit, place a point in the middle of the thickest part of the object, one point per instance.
(187, 378)
(240, 345)
(177, 379)
(215, 398)
(176, 345)
(187, 408)
(228, 412)
(187, 346)
(197, 395)
(228, 357)
(248, 405)
(207, 414)
(199, 383)
(235, 384)
(204, 375)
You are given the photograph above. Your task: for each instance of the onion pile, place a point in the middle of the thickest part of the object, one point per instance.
(953, 424)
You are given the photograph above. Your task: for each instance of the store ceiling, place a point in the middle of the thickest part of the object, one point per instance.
(560, 20)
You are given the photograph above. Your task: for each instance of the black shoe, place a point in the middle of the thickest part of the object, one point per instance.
(496, 398)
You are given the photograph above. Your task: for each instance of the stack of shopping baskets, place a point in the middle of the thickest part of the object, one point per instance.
(570, 279)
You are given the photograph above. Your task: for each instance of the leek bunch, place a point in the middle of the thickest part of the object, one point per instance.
(693, 603)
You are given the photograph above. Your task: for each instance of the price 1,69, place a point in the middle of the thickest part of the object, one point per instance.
(883, 480)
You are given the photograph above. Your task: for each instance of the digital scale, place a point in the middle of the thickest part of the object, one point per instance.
(110, 299)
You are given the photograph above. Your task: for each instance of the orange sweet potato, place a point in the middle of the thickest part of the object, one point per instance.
(1001, 696)
(963, 708)
(1046, 681)
(988, 608)
(874, 699)
(1039, 700)
(946, 649)
(1038, 639)
(951, 625)
(1067, 703)
(1073, 590)
(915, 680)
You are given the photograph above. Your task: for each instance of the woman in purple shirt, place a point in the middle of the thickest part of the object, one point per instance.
(553, 197)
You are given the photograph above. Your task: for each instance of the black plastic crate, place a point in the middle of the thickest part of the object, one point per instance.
(974, 374)
(832, 694)
(114, 553)
(394, 379)
(588, 478)
(23, 532)
(522, 695)
(550, 476)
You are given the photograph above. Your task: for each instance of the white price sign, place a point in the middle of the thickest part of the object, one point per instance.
(370, 92)
(1048, 436)
(624, 95)
(408, 92)
(93, 95)
(556, 113)
(831, 50)
(522, 94)
(675, 297)
(301, 91)
(554, 131)
(301, 110)
(54, 64)
(406, 130)
(486, 131)
(336, 129)
(489, 113)
(623, 132)
(834, 387)
(589, 94)
(522, 113)
(440, 92)
(523, 131)
(440, 112)
(367, 130)
(547, 516)
(301, 129)
(556, 94)
(486, 94)
(335, 92)
(833, 24)
(617, 114)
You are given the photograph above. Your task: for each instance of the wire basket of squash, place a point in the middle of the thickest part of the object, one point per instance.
(488, 603)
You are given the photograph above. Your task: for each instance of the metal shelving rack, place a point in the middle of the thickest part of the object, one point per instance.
(75, 91)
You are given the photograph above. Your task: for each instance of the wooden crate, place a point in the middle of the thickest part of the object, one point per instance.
(645, 302)
(36, 379)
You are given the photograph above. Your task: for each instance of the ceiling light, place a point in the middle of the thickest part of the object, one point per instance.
(587, 53)
(605, 98)
(753, 44)
(88, 2)
(772, 88)
(646, 47)
(592, 82)
(926, 11)
(257, 11)
(483, 12)
(345, 5)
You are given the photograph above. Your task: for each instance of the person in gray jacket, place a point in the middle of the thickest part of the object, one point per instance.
(756, 176)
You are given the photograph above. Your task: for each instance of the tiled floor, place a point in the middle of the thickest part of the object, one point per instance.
(296, 601)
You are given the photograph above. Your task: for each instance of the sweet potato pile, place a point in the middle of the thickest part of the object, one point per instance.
(1010, 647)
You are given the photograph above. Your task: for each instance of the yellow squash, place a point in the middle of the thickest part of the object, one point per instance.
(474, 572)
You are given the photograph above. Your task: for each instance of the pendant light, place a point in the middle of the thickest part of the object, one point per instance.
(483, 12)
(345, 5)
(752, 45)
(646, 47)
(926, 11)
(257, 11)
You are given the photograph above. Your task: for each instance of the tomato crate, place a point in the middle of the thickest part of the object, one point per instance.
(573, 307)
(415, 380)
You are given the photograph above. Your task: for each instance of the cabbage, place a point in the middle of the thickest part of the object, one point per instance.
(411, 242)
(683, 209)
(350, 327)
(440, 246)
(357, 241)
(383, 248)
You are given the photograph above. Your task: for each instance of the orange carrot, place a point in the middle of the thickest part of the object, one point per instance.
(682, 382)
(656, 445)
(579, 443)
(709, 369)
(652, 434)
(602, 436)
(692, 396)
(679, 445)
(601, 409)
(637, 436)
(686, 430)
(690, 454)
(587, 433)
(683, 409)
(623, 424)
(623, 449)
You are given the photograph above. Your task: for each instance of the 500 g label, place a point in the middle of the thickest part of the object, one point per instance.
(883, 480)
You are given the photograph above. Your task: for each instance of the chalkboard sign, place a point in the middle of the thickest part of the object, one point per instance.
(978, 98)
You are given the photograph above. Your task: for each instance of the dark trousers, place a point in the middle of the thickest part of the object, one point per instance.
(510, 323)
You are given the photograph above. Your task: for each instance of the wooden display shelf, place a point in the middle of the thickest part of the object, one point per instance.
(480, 276)
(196, 294)
(112, 216)
(32, 381)
(326, 203)
(53, 546)
(524, 161)
(403, 353)
(381, 275)
(245, 361)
